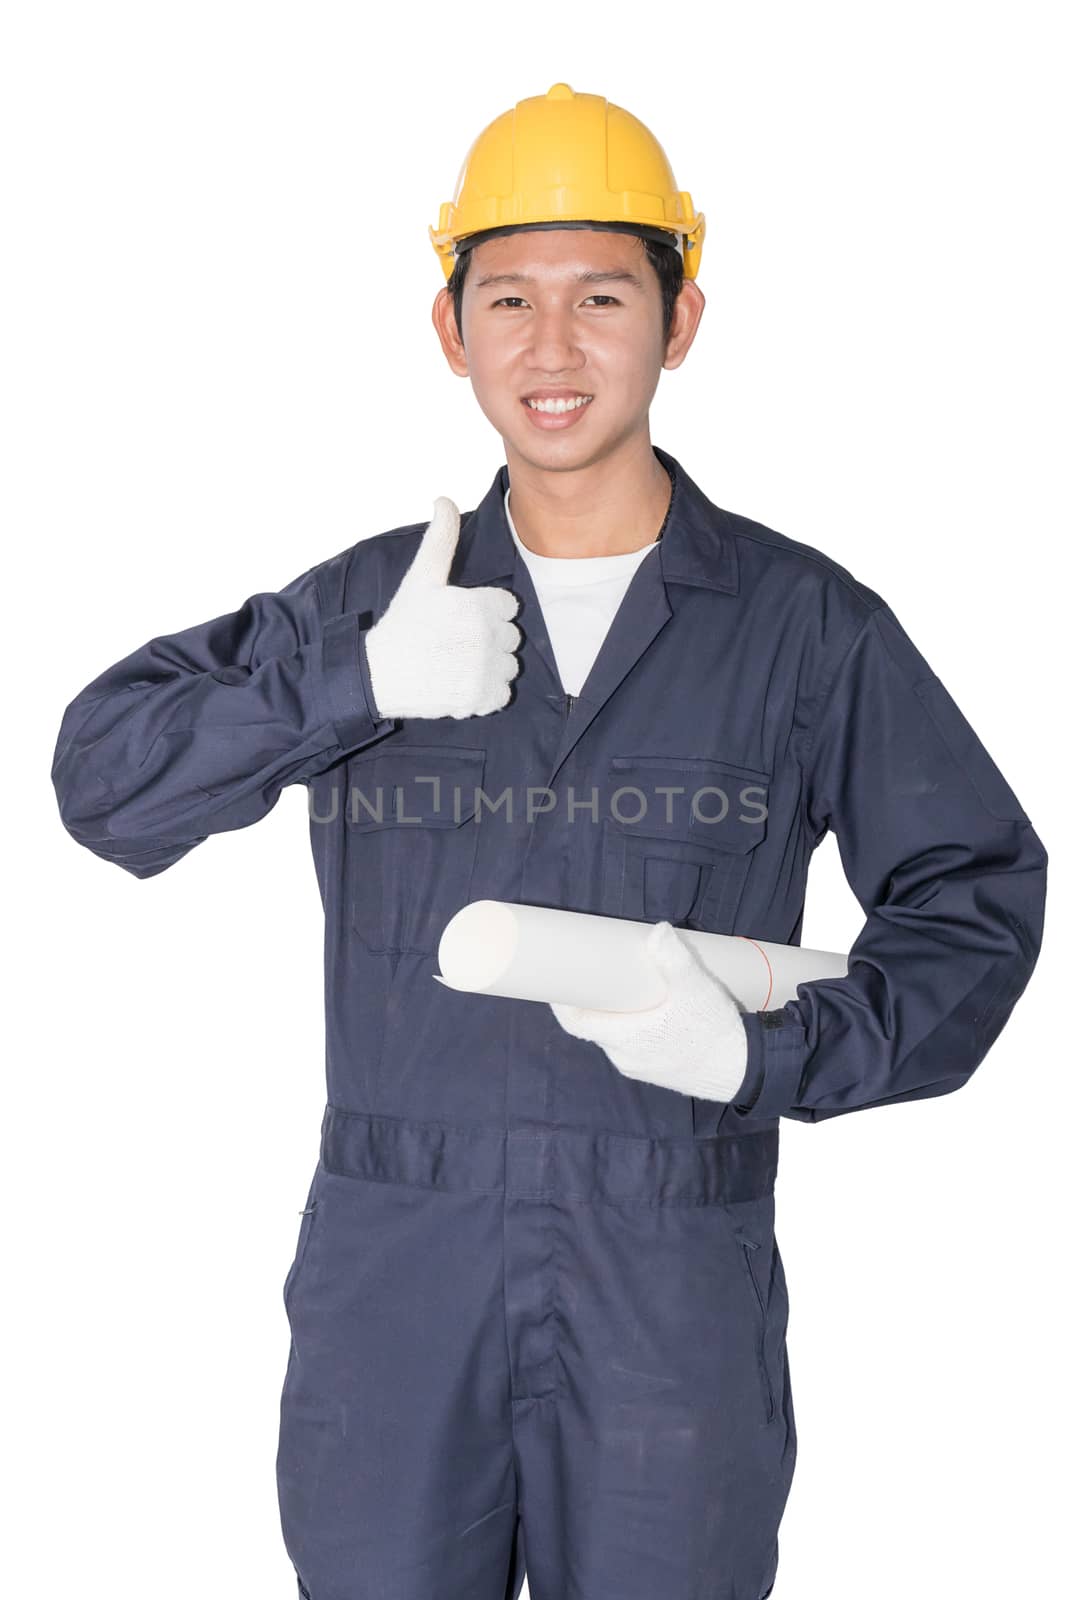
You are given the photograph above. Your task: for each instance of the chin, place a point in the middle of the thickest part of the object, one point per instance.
(567, 445)
(551, 455)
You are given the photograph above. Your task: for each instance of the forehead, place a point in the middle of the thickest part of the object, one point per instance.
(559, 255)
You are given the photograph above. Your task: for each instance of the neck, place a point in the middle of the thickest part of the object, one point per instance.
(606, 508)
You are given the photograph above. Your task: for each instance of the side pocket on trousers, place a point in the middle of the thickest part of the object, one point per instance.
(747, 1248)
(307, 1223)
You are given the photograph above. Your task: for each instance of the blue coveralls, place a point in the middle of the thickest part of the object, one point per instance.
(537, 1308)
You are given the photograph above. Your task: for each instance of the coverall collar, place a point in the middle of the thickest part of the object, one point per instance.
(696, 547)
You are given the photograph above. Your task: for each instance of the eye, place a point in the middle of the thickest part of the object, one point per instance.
(516, 299)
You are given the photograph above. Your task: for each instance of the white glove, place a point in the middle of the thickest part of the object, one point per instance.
(440, 650)
(693, 1041)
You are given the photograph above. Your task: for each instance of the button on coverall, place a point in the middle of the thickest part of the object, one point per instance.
(537, 1308)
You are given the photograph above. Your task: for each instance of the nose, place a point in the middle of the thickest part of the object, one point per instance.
(554, 350)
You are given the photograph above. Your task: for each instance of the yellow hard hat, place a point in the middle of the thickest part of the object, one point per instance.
(567, 160)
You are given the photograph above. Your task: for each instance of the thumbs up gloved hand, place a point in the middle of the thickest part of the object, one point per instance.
(693, 1041)
(440, 650)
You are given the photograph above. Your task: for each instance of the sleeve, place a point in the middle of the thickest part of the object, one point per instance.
(950, 875)
(198, 732)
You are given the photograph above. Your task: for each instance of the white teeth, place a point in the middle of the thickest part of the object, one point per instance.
(558, 405)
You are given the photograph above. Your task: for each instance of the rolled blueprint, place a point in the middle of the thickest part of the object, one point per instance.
(526, 952)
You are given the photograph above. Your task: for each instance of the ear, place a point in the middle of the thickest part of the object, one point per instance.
(443, 316)
(688, 310)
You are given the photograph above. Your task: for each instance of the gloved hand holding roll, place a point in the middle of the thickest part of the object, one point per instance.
(694, 1041)
(440, 650)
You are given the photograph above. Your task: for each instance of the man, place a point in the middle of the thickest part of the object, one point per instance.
(537, 1307)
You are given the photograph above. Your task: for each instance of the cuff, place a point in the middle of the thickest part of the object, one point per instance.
(777, 1050)
(365, 679)
(752, 1082)
(343, 683)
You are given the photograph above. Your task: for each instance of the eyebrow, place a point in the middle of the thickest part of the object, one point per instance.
(590, 275)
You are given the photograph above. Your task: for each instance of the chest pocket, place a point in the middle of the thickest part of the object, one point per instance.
(686, 855)
(413, 832)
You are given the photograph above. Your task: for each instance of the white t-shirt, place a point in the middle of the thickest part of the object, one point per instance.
(579, 597)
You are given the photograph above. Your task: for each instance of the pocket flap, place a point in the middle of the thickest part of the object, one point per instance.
(708, 802)
(428, 786)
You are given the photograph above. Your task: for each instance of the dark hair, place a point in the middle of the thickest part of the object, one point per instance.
(665, 259)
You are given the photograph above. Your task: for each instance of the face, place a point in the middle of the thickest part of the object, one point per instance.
(573, 309)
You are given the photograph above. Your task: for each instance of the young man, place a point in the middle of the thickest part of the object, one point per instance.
(537, 1307)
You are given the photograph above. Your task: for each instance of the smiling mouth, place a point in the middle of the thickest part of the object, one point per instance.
(557, 408)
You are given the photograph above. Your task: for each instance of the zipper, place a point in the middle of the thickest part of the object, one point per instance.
(571, 698)
(307, 1223)
(747, 1246)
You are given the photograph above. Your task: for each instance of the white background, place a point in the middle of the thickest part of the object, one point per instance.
(218, 369)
